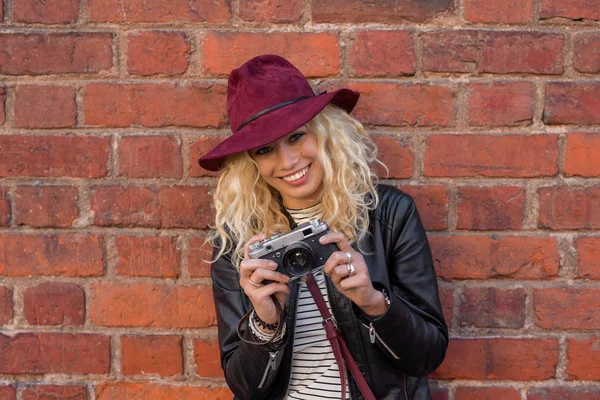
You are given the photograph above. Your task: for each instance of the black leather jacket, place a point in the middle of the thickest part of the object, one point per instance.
(395, 352)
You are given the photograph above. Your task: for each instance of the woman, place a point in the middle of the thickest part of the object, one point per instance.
(294, 156)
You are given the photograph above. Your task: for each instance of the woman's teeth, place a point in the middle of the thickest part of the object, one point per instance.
(296, 176)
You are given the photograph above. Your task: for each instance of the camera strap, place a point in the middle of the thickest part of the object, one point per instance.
(340, 350)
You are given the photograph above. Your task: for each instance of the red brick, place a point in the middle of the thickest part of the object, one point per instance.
(383, 53)
(154, 105)
(495, 208)
(432, 203)
(54, 156)
(486, 393)
(501, 103)
(588, 264)
(500, 359)
(54, 353)
(495, 156)
(397, 155)
(6, 305)
(498, 11)
(199, 257)
(46, 12)
(353, 11)
(197, 150)
(158, 391)
(586, 52)
(43, 106)
(150, 157)
(54, 303)
(2, 101)
(152, 206)
(41, 206)
(447, 299)
(482, 257)
(1, 19)
(404, 104)
(572, 103)
(573, 9)
(154, 354)
(566, 207)
(491, 307)
(567, 308)
(55, 53)
(151, 305)
(438, 393)
(7, 392)
(583, 359)
(279, 11)
(152, 53)
(4, 208)
(581, 154)
(54, 392)
(224, 51)
(147, 256)
(493, 52)
(564, 393)
(43, 255)
(206, 355)
(159, 11)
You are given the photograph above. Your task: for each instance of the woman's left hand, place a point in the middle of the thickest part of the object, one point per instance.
(350, 275)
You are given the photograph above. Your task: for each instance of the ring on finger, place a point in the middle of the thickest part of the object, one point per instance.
(351, 269)
(349, 257)
(254, 283)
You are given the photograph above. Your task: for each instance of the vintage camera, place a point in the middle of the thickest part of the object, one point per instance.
(297, 252)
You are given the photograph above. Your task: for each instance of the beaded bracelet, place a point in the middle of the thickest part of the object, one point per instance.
(263, 324)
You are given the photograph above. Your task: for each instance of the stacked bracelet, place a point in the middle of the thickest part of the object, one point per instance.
(264, 325)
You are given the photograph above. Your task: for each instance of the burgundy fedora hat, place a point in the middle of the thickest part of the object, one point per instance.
(267, 98)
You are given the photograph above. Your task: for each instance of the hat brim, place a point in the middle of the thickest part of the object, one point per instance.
(276, 124)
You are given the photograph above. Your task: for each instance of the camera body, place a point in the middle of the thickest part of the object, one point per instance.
(297, 252)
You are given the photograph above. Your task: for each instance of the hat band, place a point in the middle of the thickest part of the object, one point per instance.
(275, 107)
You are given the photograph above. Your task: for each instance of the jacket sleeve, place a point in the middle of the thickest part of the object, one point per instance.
(246, 366)
(413, 332)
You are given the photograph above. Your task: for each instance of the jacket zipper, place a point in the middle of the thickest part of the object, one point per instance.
(272, 364)
(373, 335)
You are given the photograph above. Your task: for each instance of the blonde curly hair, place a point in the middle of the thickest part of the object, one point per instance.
(246, 205)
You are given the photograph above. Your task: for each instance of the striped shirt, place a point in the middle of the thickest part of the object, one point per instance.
(315, 373)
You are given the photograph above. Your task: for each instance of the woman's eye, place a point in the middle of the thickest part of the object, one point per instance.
(296, 136)
(263, 150)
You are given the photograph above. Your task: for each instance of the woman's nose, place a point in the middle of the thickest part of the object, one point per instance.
(287, 157)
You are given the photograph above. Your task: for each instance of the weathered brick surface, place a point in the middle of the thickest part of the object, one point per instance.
(6, 305)
(501, 104)
(54, 392)
(51, 12)
(55, 53)
(567, 308)
(147, 256)
(54, 156)
(495, 208)
(53, 254)
(353, 11)
(574, 9)
(206, 356)
(486, 393)
(54, 303)
(41, 206)
(447, 300)
(572, 103)
(55, 353)
(159, 11)
(500, 359)
(581, 154)
(432, 204)
(490, 307)
(583, 359)
(151, 305)
(586, 52)
(38, 106)
(383, 53)
(279, 11)
(4, 208)
(156, 391)
(2, 101)
(398, 157)
(481, 257)
(563, 393)
(199, 257)
(159, 52)
(494, 156)
(8, 392)
(197, 150)
(153, 207)
(588, 262)
(151, 355)
(150, 157)
(565, 207)
(225, 51)
(498, 11)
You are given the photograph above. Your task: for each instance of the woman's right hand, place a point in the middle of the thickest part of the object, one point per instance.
(257, 271)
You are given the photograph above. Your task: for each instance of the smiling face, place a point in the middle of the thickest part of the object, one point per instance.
(291, 166)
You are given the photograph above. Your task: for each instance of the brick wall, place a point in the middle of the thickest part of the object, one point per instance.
(487, 112)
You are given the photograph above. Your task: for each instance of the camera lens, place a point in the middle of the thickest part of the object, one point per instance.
(298, 259)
